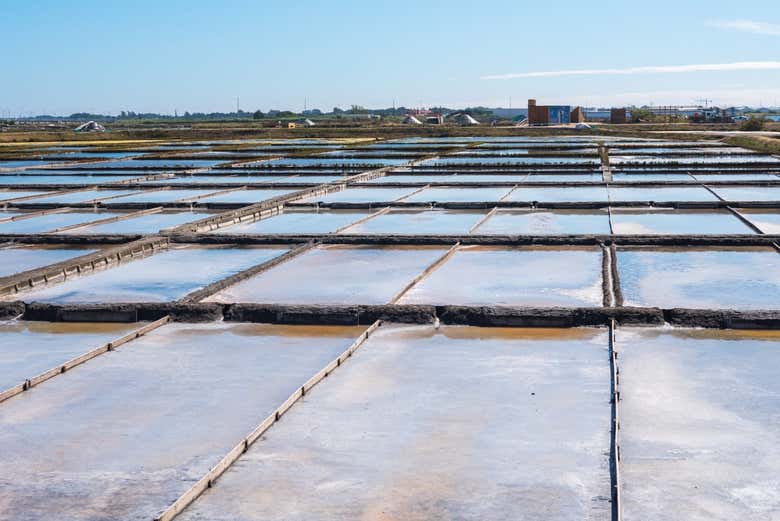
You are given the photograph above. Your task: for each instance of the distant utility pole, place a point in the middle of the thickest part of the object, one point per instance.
(238, 106)
(305, 101)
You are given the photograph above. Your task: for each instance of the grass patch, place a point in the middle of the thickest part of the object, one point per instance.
(763, 144)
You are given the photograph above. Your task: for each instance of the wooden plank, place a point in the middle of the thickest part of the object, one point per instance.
(214, 287)
(208, 480)
(484, 219)
(745, 220)
(361, 220)
(614, 452)
(430, 269)
(107, 220)
(30, 215)
(74, 362)
(27, 280)
(409, 194)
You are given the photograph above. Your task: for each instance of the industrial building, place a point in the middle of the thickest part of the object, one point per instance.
(618, 116)
(553, 114)
(596, 114)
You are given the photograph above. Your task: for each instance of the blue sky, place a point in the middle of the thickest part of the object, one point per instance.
(60, 57)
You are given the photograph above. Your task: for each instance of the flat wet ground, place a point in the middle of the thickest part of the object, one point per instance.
(164, 196)
(667, 221)
(24, 163)
(28, 349)
(23, 258)
(736, 278)
(64, 179)
(150, 223)
(337, 161)
(561, 194)
(545, 222)
(691, 159)
(83, 196)
(335, 275)
(479, 160)
(165, 276)
(361, 195)
(7, 195)
(245, 196)
(625, 177)
(564, 178)
(458, 194)
(420, 424)
(155, 163)
(748, 193)
(704, 178)
(52, 221)
(543, 277)
(293, 222)
(768, 221)
(123, 435)
(454, 179)
(413, 222)
(660, 193)
(200, 178)
(699, 425)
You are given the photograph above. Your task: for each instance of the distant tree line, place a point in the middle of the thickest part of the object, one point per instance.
(257, 114)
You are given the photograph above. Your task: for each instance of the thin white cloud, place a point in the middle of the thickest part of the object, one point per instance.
(748, 26)
(722, 97)
(661, 69)
(727, 95)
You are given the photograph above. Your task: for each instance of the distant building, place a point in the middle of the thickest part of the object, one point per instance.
(675, 111)
(553, 114)
(593, 114)
(411, 120)
(618, 116)
(420, 112)
(436, 119)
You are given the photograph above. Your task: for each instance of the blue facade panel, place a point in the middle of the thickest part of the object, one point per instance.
(559, 114)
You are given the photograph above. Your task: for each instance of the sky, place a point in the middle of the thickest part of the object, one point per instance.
(163, 56)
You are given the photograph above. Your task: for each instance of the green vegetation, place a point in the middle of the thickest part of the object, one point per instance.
(755, 123)
(763, 144)
(639, 115)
